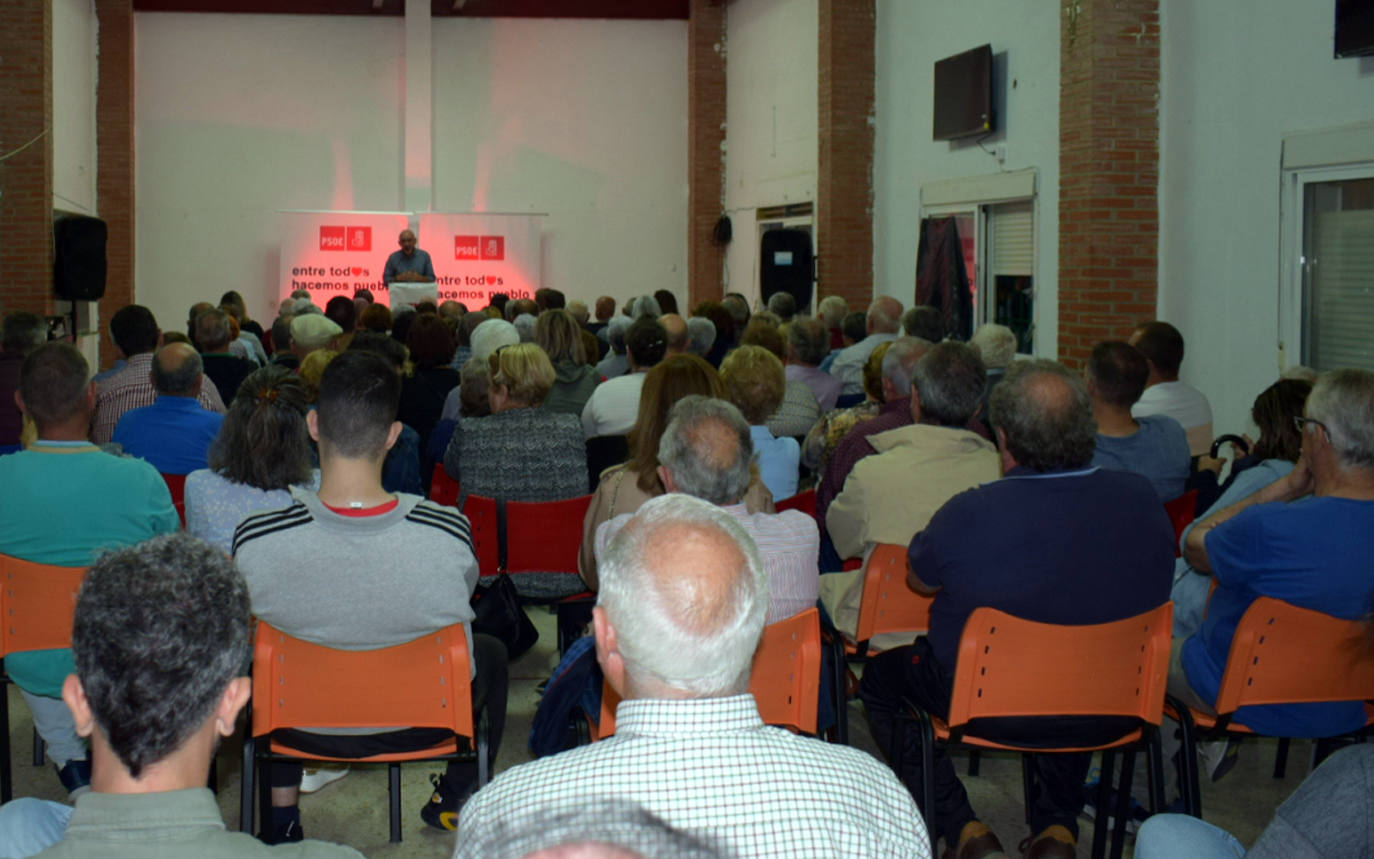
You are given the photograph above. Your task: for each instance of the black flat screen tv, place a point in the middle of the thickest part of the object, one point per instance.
(1354, 28)
(963, 94)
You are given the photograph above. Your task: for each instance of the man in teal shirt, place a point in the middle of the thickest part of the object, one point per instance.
(66, 502)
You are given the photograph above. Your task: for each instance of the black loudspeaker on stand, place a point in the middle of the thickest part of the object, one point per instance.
(79, 258)
(785, 265)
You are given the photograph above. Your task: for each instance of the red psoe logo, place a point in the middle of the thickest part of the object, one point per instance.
(360, 238)
(493, 247)
(332, 239)
(465, 247)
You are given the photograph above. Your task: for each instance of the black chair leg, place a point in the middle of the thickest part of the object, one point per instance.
(263, 777)
(394, 789)
(6, 783)
(1028, 785)
(927, 768)
(1281, 758)
(1156, 771)
(1103, 812)
(841, 668)
(38, 748)
(246, 797)
(1123, 803)
(974, 761)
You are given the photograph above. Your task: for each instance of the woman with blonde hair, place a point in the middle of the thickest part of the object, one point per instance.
(623, 488)
(520, 452)
(559, 335)
(755, 383)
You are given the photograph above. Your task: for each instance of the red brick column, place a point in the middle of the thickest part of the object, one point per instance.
(705, 153)
(114, 187)
(1108, 170)
(26, 177)
(844, 188)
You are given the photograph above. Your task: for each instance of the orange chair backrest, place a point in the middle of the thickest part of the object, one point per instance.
(423, 683)
(1282, 654)
(37, 602)
(889, 604)
(1013, 667)
(442, 488)
(785, 679)
(803, 501)
(545, 536)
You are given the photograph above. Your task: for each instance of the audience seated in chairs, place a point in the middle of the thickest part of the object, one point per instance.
(625, 487)
(357, 567)
(520, 452)
(1053, 541)
(1312, 552)
(679, 616)
(613, 406)
(1154, 446)
(807, 344)
(1162, 345)
(430, 378)
(66, 501)
(262, 451)
(882, 324)
(1270, 458)
(830, 430)
(799, 409)
(162, 637)
(558, 334)
(212, 338)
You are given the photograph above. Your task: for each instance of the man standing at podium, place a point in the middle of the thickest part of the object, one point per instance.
(409, 264)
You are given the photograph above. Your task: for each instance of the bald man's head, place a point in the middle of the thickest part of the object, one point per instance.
(678, 339)
(884, 315)
(177, 371)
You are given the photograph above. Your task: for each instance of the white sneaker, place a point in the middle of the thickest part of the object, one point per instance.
(315, 778)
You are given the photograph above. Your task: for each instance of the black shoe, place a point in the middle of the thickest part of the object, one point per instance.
(75, 775)
(441, 811)
(283, 833)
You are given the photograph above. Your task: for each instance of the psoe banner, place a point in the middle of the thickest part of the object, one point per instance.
(476, 254)
(335, 253)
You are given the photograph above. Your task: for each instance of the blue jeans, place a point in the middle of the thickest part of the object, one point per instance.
(29, 826)
(1178, 836)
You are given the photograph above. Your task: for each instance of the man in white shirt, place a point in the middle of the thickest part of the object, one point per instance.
(614, 406)
(678, 618)
(1162, 346)
(883, 323)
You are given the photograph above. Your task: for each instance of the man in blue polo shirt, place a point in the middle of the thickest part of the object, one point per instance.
(174, 434)
(409, 263)
(1313, 552)
(1055, 541)
(65, 502)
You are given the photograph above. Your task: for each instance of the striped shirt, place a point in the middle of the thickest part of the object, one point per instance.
(132, 388)
(708, 767)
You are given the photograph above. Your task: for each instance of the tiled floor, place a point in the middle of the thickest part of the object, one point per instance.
(354, 810)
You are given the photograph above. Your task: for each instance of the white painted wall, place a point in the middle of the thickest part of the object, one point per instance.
(771, 121)
(911, 37)
(1234, 81)
(73, 105)
(239, 116)
(585, 120)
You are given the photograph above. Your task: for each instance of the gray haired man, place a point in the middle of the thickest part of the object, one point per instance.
(678, 617)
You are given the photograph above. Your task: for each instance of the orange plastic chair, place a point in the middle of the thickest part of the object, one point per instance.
(442, 488)
(37, 602)
(785, 680)
(889, 604)
(176, 484)
(803, 501)
(1182, 511)
(1013, 667)
(1280, 654)
(424, 683)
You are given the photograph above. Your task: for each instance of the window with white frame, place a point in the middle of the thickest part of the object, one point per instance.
(1327, 292)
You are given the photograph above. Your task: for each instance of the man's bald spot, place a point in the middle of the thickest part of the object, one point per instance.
(173, 356)
(1051, 393)
(676, 326)
(885, 315)
(714, 443)
(696, 572)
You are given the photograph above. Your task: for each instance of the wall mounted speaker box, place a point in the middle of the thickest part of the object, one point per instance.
(79, 263)
(785, 265)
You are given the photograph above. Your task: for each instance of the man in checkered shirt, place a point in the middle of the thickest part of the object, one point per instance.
(678, 617)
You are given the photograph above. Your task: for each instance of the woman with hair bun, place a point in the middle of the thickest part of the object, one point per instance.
(263, 449)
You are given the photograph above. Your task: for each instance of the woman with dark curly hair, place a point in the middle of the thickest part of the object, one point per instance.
(263, 450)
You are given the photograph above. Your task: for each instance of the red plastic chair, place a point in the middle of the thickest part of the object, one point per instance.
(1182, 511)
(785, 680)
(442, 488)
(803, 501)
(176, 484)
